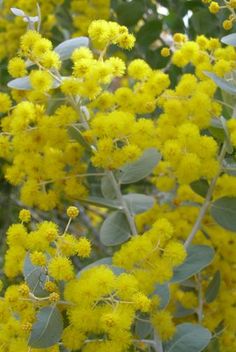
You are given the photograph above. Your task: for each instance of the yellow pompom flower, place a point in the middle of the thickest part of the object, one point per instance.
(5, 102)
(60, 268)
(38, 258)
(139, 69)
(83, 247)
(41, 81)
(16, 67)
(175, 252)
(162, 322)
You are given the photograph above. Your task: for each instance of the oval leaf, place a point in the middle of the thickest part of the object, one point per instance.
(138, 203)
(200, 187)
(213, 288)
(189, 337)
(229, 39)
(198, 257)
(48, 328)
(115, 229)
(17, 12)
(223, 210)
(35, 278)
(222, 83)
(107, 188)
(66, 48)
(164, 293)
(102, 202)
(141, 168)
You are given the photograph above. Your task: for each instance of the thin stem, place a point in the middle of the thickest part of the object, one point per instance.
(73, 176)
(120, 198)
(207, 201)
(200, 299)
(158, 347)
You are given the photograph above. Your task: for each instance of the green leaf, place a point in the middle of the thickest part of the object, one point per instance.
(35, 278)
(199, 256)
(129, 13)
(229, 39)
(138, 203)
(102, 202)
(223, 210)
(115, 229)
(200, 187)
(75, 134)
(104, 261)
(222, 83)
(189, 337)
(213, 288)
(136, 171)
(149, 32)
(107, 188)
(66, 48)
(229, 147)
(181, 311)
(47, 329)
(143, 328)
(164, 293)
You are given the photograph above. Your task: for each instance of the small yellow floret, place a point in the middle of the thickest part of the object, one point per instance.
(214, 7)
(72, 212)
(25, 215)
(227, 25)
(165, 52)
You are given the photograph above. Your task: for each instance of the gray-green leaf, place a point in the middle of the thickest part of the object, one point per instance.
(138, 203)
(115, 229)
(222, 83)
(199, 256)
(66, 48)
(213, 288)
(229, 39)
(200, 187)
(35, 278)
(136, 171)
(223, 210)
(189, 337)
(107, 188)
(47, 329)
(164, 293)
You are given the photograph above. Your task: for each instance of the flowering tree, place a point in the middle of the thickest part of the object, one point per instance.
(117, 150)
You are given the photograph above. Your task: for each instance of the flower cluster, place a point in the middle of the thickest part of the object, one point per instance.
(216, 6)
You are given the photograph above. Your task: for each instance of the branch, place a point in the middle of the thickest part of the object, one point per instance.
(207, 201)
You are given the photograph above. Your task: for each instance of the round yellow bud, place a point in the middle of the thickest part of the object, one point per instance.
(165, 52)
(25, 215)
(227, 25)
(72, 212)
(50, 286)
(54, 297)
(232, 4)
(214, 7)
(24, 290)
